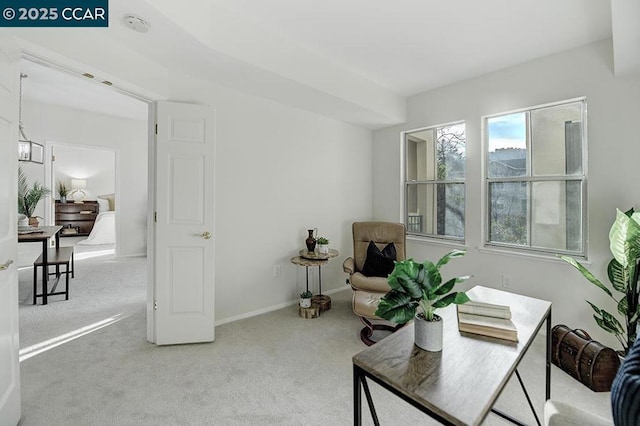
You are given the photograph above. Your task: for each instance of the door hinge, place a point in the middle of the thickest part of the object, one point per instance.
(155, 305)
(156, 128)
(155, 217)
(53, 158)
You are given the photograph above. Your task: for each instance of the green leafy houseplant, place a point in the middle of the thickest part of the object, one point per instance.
(623, 270)
(28, 198)
(416, 285)
(306, 294)
(322, 240)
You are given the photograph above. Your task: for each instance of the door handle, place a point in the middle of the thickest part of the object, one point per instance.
(206, 235)
(5, 266)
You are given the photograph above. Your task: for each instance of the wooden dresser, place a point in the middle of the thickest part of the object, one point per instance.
(76, 219)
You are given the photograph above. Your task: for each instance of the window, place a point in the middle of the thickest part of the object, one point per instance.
(435, 181)
(536, 180)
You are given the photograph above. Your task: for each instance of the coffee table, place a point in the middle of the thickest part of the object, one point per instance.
(460, 384)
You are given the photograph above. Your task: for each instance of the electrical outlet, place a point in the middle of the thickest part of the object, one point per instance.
(276, 271)
(506, 281)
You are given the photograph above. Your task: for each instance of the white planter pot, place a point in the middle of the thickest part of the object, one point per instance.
(323, 248)
(305, 303)
(428, 334)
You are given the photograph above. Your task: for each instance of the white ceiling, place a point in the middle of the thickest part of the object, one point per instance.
(355, 60)
(410, 46)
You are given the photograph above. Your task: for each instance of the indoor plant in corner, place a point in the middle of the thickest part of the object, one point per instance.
(419, 285)
(624, 273)
(28, 198)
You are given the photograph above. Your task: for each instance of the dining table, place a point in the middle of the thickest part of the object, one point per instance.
(41, 234)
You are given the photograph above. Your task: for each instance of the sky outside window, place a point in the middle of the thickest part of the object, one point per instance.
(508, 131)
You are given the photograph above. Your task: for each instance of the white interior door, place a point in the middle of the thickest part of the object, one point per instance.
(9, 343)
(184, 234)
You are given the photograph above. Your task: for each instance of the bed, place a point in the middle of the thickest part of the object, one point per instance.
(104, 230)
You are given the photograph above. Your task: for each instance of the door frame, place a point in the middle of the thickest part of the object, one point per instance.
(151, 174)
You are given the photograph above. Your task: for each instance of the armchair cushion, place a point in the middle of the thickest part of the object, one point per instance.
(379, 263)
(375, 284)
(365, 303)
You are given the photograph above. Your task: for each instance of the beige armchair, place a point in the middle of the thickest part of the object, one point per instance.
(367, 290)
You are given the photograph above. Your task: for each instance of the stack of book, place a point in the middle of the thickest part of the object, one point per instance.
(487, 319)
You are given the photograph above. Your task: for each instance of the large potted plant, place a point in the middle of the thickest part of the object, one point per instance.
(417, 291)
(28, 198)
(623, 271)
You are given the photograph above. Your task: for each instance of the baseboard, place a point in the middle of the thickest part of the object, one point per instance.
(271, 308)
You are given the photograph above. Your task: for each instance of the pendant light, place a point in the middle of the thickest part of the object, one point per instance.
(28, 150)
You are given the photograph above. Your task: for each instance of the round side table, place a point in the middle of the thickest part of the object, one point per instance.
(310, 258)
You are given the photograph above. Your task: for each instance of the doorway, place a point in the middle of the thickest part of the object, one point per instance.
(95, 168)
(80, 120)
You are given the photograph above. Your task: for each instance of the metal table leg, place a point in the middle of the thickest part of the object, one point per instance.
(45, 267)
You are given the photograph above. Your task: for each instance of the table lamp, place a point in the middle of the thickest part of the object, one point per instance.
(78, 186)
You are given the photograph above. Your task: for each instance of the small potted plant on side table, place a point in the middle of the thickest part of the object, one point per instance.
(323, 245)
(419, 285)
(305, 299)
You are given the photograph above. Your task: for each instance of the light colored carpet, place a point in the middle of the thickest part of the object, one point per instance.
(274, 369)
(102, 287)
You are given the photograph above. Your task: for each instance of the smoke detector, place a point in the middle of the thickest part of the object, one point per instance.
(136, 23)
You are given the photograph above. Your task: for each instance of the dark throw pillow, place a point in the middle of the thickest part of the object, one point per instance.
(379, 263)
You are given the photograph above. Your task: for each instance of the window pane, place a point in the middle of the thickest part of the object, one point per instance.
(557, 215)
(436, 209)
(507, 143)
(435, 164)
(556, 140)
(508, 212)
(453, 206)
(451, 152)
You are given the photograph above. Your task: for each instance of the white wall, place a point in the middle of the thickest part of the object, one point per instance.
(613, 153)
(279, 171)
(53, 123)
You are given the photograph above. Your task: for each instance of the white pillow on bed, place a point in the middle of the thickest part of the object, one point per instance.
(103, 205)
(111, 198)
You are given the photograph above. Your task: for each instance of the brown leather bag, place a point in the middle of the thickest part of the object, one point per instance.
(586, 360)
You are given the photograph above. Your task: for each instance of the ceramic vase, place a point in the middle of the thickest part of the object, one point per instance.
(310, 241)
(323, 248)
(428, 334)
(33, 221)
(305, 303)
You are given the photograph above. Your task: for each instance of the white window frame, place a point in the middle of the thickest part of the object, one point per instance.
(530, 250)
(404, 184)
